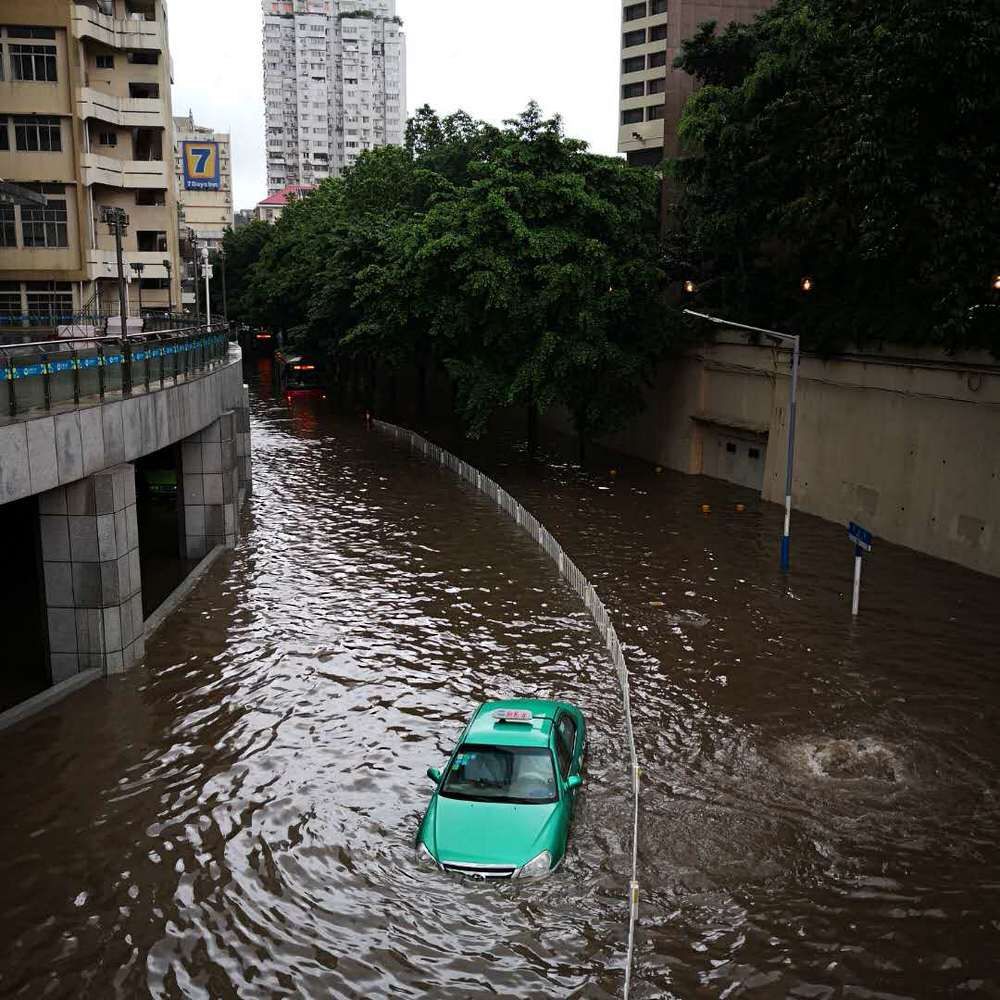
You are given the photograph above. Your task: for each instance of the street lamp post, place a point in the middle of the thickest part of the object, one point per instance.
(208, 274)
(117, 223)
(794, 341)
(170, 289)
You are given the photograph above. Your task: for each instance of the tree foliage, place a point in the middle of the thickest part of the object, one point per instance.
(514, 259)
(856, 143)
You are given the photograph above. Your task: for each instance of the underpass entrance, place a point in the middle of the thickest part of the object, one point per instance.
(24, 668)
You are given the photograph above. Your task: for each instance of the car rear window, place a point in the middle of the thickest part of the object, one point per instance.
(483, 773)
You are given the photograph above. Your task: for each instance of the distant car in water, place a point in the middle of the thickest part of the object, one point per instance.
(159, 482)
(263, 341)
(503, 804)
(297, 375)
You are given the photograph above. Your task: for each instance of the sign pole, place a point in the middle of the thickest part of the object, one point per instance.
(862, 539)
(856, 602)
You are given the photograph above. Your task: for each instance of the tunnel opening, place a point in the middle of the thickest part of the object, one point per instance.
(24, 667)
(161, 526)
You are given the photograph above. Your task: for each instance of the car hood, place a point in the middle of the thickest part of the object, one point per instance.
(489, 833)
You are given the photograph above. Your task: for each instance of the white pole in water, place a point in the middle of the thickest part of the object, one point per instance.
(856, 602)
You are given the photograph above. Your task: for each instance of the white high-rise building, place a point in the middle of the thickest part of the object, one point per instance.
(334, 85)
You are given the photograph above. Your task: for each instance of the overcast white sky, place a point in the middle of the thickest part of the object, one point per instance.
(489, 57)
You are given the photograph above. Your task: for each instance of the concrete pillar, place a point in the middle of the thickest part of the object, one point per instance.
(93, 581)
(210, 487)
(243, 457)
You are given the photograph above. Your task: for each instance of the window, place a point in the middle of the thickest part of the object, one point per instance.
(144, 58)
(634, 64)
(105, 62)
(147, 91)
(656, 86)
(50, 298)
(631, 116)
(8, 230)
(107, 139)
(565, 742)
(45, 227)
(33, 62)
(657, 59)
(484, 773)
(10, 298)
(4, 133)
(631, 90)
(658, 7)
(29, 31)
(631, 38)
(151, 241)
(655, 113)
(754, 452)
(658, 33)
(151, 197)
(634, 11)
(37, 133)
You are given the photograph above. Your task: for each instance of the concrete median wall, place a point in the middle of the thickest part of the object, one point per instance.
(908, 445)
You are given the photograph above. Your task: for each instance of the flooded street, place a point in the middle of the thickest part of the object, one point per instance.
(821, 799)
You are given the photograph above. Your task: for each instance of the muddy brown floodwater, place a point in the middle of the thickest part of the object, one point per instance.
(821, 800)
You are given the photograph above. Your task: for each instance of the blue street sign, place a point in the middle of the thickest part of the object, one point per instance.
(859, 536)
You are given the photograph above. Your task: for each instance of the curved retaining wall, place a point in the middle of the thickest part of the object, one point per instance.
(567, 568)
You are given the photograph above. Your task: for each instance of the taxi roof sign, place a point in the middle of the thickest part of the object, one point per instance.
(512, 715)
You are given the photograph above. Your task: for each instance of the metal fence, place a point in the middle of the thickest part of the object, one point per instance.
(528, 523)
(42, 375)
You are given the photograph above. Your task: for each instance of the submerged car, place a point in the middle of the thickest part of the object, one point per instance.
(503, 805)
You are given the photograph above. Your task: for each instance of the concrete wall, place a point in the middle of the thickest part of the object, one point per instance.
(909, 446)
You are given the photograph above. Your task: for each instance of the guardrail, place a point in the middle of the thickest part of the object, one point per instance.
(598, 612)
(45, 374)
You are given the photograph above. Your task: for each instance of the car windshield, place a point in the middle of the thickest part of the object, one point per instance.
(483, 773)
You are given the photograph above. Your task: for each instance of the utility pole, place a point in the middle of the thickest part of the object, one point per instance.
(794, 341)
(170, 288)
(117, 222)
(139, 268)
(225, 304)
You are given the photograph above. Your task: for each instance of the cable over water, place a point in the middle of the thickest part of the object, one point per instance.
(526, 520)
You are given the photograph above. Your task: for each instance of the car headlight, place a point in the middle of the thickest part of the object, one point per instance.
(538, 865)
(424, 855)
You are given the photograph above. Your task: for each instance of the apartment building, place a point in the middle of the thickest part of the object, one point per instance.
(652, 93)
(204, 178)
(334, 85)
(85, 121)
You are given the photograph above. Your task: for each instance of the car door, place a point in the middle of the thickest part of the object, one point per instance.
(566, 747)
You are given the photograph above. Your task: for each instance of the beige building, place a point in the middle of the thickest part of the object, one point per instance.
(85, 119)
(652, 93)
(206, 206)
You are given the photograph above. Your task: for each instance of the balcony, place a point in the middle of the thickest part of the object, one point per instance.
(123, 111)
(116, 32)
(129, 174)
(104, 264)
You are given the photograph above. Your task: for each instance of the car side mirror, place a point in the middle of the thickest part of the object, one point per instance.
(574, 781)
(434, 774)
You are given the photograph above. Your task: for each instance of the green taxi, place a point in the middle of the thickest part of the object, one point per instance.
(503, 805)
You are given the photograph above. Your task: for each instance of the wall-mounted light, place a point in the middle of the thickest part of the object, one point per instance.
(690, 287)
(996, 282)
(806, 284)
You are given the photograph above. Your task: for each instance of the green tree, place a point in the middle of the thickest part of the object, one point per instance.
(854, 143)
